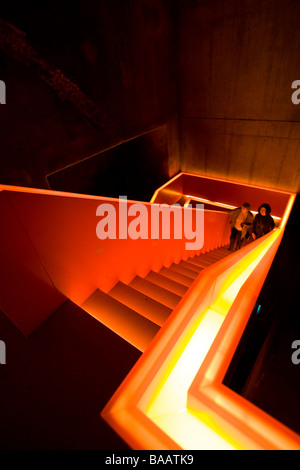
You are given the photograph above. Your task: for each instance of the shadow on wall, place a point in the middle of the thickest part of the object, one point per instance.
(134, 168)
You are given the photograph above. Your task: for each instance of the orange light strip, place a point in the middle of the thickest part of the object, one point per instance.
(163, 190)
(169, 404)
(152, 389)
(52, 192)
(200, 199)
(288, 210)
(165, 185)
(218, 204)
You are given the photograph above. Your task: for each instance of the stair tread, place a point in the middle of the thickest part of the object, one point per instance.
(223, 250)
(159, 293)
(167, 283)
(206, 256)
(176, 276)
(141, 303)
(201, 262)
(216, 255)
(182, 269)
(212, 255)
(138, 310)
(124, 321)
(191, 266)
(206, 259)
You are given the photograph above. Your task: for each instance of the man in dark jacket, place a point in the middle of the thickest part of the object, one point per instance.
(263, 222)
(241, 221)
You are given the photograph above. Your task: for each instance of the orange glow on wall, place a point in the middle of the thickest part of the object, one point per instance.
(61, 256)
(173, 398)
(219, 191)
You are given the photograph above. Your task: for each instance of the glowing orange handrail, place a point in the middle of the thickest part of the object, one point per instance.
(215, 191)
(152, 371)
(250, 426)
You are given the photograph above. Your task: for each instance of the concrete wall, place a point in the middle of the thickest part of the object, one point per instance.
(84, 78)
(81, 78)
(237, 62)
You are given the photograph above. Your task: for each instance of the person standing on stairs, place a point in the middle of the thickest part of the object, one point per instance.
(263, 222)
(241, 221)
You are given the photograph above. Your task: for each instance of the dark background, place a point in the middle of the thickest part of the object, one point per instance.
(114, 97)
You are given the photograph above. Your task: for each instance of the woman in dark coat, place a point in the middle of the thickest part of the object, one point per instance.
(263, 222)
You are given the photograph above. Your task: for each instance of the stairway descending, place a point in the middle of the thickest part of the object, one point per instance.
(137, 311)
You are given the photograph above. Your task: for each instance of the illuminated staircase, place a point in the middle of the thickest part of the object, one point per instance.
(190, 319)
(137, 311)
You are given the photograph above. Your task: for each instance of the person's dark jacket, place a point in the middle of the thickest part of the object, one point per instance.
(262, 224)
